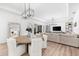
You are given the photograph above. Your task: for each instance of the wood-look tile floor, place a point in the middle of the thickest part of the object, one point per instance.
(53, 49)
(3, 50)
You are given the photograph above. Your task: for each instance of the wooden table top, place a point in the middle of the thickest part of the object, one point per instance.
(23, 39)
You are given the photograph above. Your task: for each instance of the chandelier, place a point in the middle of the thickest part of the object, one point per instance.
(27, 12)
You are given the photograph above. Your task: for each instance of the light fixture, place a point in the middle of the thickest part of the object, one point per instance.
(73, 15)
(27, 12)
(24, 13)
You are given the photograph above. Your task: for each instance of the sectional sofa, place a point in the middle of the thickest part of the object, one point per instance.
(64, 38)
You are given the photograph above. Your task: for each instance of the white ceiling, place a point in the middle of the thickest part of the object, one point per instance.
(73, 7)
(45, 11)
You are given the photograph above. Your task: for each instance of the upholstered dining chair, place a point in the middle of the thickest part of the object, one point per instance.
(35, 49)
(14, 49)
(44, 41)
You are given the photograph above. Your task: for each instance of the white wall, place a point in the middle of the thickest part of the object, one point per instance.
(74, 7)
(3, 27)
(76, 19)
(43, 12)
(60, 22)
(6, 17)
(49, 10)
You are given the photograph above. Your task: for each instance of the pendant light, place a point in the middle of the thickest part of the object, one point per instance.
(27, 12)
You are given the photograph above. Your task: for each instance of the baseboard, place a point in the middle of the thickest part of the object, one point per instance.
(3, 41)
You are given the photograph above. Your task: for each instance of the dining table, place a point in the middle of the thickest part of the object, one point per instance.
(23, 39)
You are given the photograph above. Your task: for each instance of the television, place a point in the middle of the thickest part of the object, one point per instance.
(57, 28)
